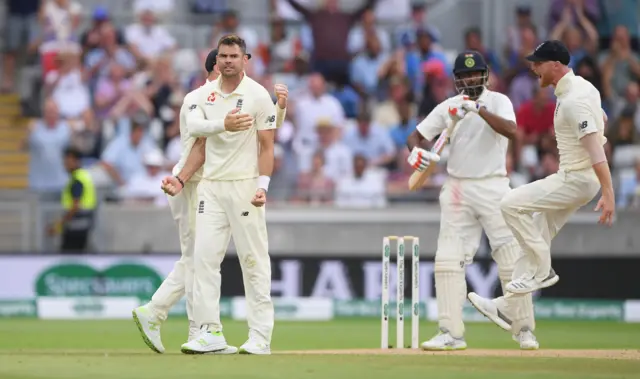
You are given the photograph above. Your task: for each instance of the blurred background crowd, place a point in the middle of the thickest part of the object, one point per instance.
(361, 75)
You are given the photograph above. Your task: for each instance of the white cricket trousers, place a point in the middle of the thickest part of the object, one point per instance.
(180, 280)
(537, 211)
(224, 209)
(467, 207)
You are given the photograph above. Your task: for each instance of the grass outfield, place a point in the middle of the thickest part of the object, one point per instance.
(34, 349)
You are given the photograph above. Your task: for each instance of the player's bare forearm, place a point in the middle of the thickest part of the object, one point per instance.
(417, 139)
(604, 176)
(504, 127)
(195, 160)
(266, 157)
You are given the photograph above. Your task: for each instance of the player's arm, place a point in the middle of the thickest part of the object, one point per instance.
(434, 124)
(265, 123)
(199, 126)
(503, 121)
(282, 95)
(584, 120)
(194, 161)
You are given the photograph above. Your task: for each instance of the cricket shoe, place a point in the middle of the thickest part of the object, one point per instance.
(254, 347)
(444, 341)
(208, 342)
(526, 339)
(149, 326)
(523, 285)
(490, 310)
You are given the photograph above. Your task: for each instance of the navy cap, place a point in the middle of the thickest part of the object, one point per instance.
(469, 61)
(551, 51)
(211, 60)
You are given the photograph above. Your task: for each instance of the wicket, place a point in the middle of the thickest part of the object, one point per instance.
(415, 291)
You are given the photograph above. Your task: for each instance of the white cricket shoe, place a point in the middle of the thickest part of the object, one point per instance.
(444, 341)
(526, 285)
(149, 326)
(254, 347)
(208, 342)
(489, 309)
(526, 339)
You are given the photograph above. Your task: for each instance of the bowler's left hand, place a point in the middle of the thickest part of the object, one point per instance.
(282, 94)
(260, 198)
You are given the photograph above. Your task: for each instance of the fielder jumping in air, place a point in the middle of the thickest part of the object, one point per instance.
(470, 200)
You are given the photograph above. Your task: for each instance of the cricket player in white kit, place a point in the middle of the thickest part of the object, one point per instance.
(179, 282)
(231, 199)
(470, 200)
(537, 211)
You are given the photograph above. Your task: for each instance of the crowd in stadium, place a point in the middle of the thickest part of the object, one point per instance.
(357, 88)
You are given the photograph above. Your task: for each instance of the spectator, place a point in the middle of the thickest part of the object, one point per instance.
(366, 67)
(630, 102)
(162, 84)
(147, 39)
(406, 35)
(337, 156)
(91, 38)
(619, 64)
(230, 24)
(618, 13)
(589, 70)
(47, 140)
(347, 96)
(549, 164)
(310, 109)
(282, 49)
(370, 141)
(282, 183)
(315, 187)
(535, 119)
(59, 21)
(393, 11)
(21, 21)
(572, 11)
(514, 32)
(110, 90)
(98, 60)
(143, 186)
(364, 31)
(386, 113)
(364, 189)
(68, 90)
(623, 131)
(161, 8)
(473, 41)
(330, 55)
(407, 125)
(122, 158)
(572, 36)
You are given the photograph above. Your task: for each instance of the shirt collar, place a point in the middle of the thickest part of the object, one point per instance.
(240, 89)
(564, 83)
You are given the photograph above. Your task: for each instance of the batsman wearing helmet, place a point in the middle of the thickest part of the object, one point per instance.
(470, 201)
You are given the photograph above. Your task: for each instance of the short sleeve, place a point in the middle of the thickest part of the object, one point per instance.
(434, 123)
(76, 189)
(578, 115)
(266, 113)
(504, 109)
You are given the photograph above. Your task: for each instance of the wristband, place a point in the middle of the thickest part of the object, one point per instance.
(180, 180)
(263, 182)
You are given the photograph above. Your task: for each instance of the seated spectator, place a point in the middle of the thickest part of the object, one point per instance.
(473, 41)
(517, 65)
(230, 24)
(365, 67)
(162, 84)
(407, 125)
(315, 186)
(367, 29)
(282, 49)
(122, 158)
(144, 186)
(534, 118)
(68, 90)
(110, 90)
(364, 189)
(622, 130)
(59, 23)
(148, 40)
(619, 65)
(589, 70)
(108, 51)
(630, 101)
(91, 39)
(348, 97)
(337, 156)
(425, 51)
(406, 34)
(371, 141)
(47, 140)
(386, 113)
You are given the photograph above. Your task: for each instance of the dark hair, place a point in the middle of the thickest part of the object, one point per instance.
(233, 39)
(73, 152)
(473, 30)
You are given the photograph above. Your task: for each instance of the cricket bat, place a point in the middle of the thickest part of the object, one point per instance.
(418, 178)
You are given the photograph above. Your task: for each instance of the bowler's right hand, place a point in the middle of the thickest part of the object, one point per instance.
(237, 122)
(419, 158)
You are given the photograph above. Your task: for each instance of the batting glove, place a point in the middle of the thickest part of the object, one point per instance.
(457, 114)
(471, 106)
(419, 158)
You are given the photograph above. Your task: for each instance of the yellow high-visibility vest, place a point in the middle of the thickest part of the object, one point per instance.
(88, 200)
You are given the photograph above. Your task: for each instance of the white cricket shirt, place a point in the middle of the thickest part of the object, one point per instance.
(186, 140)
(234, 155)
(476, 150)
(578, 113)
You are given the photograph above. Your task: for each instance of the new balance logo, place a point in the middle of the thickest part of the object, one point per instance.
(583, 125)
(244, 214)
(271, 119)
(201, 207)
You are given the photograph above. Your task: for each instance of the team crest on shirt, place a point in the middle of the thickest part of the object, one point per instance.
(211, 98)
(239, 104)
